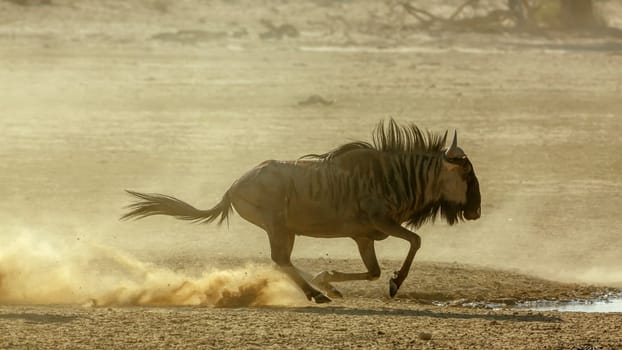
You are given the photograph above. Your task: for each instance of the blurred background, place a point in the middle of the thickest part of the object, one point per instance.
(183, 97)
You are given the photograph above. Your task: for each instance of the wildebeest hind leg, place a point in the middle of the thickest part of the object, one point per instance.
(281, 245)
(281, 241)
(368, 254)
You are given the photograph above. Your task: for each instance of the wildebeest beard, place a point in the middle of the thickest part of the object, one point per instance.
(472, 208)
(452, 212)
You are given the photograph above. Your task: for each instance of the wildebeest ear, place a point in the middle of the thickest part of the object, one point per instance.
(454, 153)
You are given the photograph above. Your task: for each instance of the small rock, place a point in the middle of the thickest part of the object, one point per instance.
(278, 31)
(316, 100)
(458, 302)
(425, 336)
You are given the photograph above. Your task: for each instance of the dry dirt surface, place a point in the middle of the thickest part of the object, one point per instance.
(183, 97)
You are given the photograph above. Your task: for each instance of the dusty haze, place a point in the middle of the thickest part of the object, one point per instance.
(183, 97)
(100, 98)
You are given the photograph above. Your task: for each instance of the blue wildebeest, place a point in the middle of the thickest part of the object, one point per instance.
(365, 191)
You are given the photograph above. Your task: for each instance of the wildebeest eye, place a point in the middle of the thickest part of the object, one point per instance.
(459, 160)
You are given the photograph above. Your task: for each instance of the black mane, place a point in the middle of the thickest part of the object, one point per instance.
(392, 138)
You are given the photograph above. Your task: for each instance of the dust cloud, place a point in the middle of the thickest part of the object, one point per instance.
(95, 103)
(39, 269)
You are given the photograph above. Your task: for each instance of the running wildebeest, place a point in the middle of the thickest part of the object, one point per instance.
(362, 190)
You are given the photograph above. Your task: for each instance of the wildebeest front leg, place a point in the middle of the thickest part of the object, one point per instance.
(368, 254)
(396, 230)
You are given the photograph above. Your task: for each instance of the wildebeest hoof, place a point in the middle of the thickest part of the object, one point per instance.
(320, 298)
(333, 292)
(393, 287)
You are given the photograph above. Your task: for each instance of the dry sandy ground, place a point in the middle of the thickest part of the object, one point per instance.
(183, 97)
(365, 318)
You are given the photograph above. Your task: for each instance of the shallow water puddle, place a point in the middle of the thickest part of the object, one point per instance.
(609, 305)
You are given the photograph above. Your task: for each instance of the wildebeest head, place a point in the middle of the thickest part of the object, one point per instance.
(459, 186)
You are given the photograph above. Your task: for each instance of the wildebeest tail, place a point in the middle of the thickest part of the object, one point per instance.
(160, 204)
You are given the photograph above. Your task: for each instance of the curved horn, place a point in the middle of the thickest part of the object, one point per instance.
(454, 143)
(454, 151)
